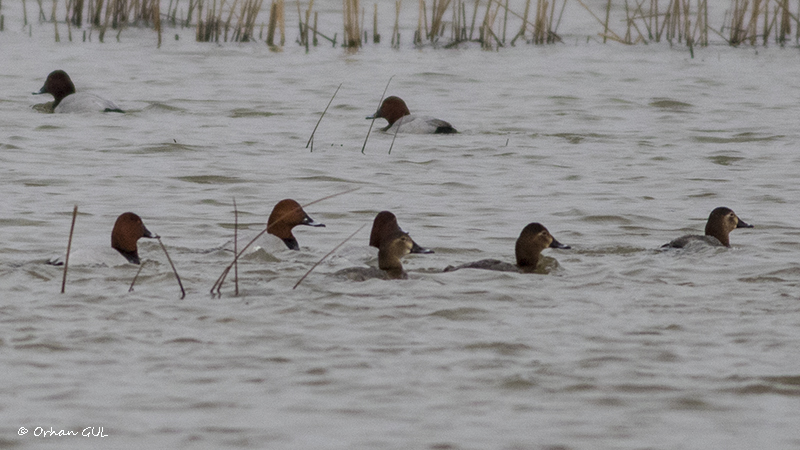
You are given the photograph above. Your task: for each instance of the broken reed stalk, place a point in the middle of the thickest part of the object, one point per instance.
(373, 120)
(273, 20)
(523, 28)
(55, 22)
(327, 255)
(308, 18)
(281, 21)
(322, 115)
(175, 271)
(218, 284)
(600, 21)
(352, 31)
(228, 22)
(436, 18)
(235, 243)
(418, 33)
(396, 29)
(376, 38)
(157, 20)
(69, 248)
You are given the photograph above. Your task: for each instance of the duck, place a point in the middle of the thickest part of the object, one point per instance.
(127, 231)
(385, 226)
(392, 248)
(395, 111)
(532, 240)
(392, 243)
(286, 215)
(66, 100)
(720, 223)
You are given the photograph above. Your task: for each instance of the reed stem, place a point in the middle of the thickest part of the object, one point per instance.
(326, 256)
(311, 138)
(380, 102)
(69, 248)
(171, 264)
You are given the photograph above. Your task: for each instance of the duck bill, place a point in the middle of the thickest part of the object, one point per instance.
(743, 224)
(556, 244)
(146, 233)
(41, 91)
(310, 222)
(415, 248)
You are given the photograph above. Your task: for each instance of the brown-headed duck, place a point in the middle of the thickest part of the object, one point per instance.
(395, 111)
(532, 240)
(284, 217)
(720, 223)
(66, 100)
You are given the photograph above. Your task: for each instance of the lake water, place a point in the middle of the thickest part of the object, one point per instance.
(615, 149)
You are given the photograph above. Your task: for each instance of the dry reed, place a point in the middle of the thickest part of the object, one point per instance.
(372, 122)
(352, 28)
(69, 248)
(687, 22)
(327, 255)
(235, 247)
(136, 277)
(311, 138)
(171, 264)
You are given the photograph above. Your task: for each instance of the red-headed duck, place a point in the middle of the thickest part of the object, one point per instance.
(395, 111)
(532, 240)
(286, 215)
(720, 223)
(66, 100)
(127, 231)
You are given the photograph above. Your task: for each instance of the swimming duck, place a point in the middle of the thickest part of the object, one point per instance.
(720, 223)
(66, 100)
(533, 239)
(286, 215)
(128, 229)
(395, 111)
(390, 267)
(385, 227)
(391, 242)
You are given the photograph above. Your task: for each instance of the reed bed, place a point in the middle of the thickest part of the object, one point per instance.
(490, 24)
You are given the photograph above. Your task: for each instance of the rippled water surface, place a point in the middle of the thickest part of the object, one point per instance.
(615, 149)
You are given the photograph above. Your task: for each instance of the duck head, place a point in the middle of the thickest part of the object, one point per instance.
(721, 222)
(286, 215)
(128, 229)
(59, 85)
(385, 227)
(533, 239)
(392, 109)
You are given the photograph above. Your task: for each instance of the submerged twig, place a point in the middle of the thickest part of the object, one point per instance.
(326, 256)
(321, 116)
(69, 247)
(373, 118)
